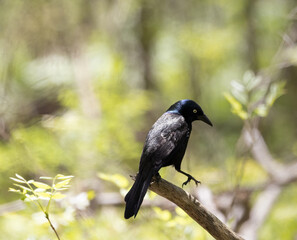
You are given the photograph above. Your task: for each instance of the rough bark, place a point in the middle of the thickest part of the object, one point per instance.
(194, 209)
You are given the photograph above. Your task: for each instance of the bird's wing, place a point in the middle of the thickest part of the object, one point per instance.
(168, 132)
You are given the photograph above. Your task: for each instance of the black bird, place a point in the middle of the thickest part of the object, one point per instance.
(165, 145)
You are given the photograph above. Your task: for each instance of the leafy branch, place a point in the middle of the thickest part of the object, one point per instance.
(251, 99)
(253, 95)
(38, 192)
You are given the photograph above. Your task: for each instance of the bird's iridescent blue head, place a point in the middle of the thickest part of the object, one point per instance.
(190, 110)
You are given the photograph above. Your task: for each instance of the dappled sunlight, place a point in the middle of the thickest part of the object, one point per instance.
(81, 84)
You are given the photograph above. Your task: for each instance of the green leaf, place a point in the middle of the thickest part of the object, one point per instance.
(237, 86)
(59, 176)
(62, 183)
(63, 188)
(20, 177)
(239, 92)
(236, 106)
(65, 177)
(17, 180)
(251, 80)
(241, 97)
(248, 76)
(30, 198)
(117, 179)
(44, 195)
(261, 110)
(276, 90)
(58, 195)
(47, 178)
(23, 187)
(14, 190)
(41, 185)
(253, 84)
(39, 190)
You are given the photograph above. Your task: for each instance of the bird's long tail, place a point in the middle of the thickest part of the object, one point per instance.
(136, 194)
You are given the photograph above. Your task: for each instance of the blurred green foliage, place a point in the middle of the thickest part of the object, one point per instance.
(81, 82)
(249, 93)
(37, 192)
(284, 212)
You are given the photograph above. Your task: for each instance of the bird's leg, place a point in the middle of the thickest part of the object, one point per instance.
(189, 178)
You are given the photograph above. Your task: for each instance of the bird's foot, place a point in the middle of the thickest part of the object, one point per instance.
(156, 178)
(189, 179)
(133, 177)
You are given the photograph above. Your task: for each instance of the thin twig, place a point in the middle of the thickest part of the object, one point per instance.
(52, 226)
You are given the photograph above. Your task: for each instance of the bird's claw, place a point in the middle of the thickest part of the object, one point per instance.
(156, 178)
(189, 179)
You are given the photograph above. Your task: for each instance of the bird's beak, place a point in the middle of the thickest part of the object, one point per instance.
(205, 119)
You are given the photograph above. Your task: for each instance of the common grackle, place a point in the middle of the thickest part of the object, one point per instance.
(165, 145)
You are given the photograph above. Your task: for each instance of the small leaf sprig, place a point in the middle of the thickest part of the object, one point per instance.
(34, 191)
(253, 96)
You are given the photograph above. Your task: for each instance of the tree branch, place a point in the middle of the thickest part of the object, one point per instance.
(280, 175)
(255, 141)
(260, 210)
(194, 209)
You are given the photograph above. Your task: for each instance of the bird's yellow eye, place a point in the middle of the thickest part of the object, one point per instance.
(195, 111)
